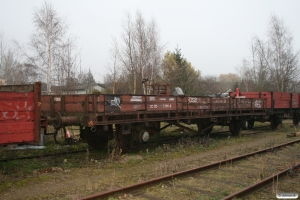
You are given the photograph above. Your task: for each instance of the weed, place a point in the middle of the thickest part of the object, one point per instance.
(225, 192)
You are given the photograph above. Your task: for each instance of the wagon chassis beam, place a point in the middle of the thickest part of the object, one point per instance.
(168, 119)
(191, 130)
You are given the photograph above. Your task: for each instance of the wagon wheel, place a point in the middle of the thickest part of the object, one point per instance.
(203, 126)
(296, 119)
(127, 141)
(97, 138)
(235, 127)
(274, 122)
(251, 123)
(96, 142)
(245, 125)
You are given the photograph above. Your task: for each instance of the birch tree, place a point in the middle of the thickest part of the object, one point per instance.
(273, 64)
(46, 41)
(283, 63)
(139, 52)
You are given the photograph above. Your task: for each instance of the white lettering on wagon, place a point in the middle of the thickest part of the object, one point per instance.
(136, 106)
(203, 107)
(152, 98)
(154, 106)
(193, 100)
(136, 99)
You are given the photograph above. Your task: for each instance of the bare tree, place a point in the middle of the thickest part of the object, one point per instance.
(209, 85)
(11, 69)
(245, 72)
(155, 54)
(46, 42)
(273, 64)
(66, 66)
(260, 56)
(114, 70)
(283, 61)
(254, 72)
(127, 54)
(2, 49)
(139, 53)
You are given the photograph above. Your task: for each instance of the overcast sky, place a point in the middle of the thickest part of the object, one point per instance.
(214, 35)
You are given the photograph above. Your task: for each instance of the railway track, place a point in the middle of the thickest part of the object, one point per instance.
(219, 134)
(240, 178)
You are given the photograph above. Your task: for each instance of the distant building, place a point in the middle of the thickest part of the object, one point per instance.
(2, 81)
(78, 89)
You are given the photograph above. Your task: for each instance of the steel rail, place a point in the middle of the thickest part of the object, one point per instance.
(260, 184)
(185, 172)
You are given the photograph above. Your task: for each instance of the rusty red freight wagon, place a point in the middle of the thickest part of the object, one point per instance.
(132, 119)
(279, 105)
(20, 114)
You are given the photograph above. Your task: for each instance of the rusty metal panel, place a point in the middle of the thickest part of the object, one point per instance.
(161, 103)
(196, 103)
(37, 111)
(281, 104)
(179, 102)
(51, 103)
(74, 98)
(45, 103)
(285, 96)
(132, 103)
(244, 103)
(56, 103)
(100, 103)
(257, 95)
(220, 104)
(295, 100)
(74, 107)
(75, 103)
(20, 114)
(277, 95)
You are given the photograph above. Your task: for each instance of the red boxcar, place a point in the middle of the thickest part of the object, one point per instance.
(20, 114)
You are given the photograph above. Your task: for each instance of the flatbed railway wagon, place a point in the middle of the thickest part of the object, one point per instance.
(279, 106)
(132, 119)
(129, 120)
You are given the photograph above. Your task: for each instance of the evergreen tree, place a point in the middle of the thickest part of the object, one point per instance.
(89, 78)
(179, 72)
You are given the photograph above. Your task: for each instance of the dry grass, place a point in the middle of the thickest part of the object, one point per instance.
(98, 172)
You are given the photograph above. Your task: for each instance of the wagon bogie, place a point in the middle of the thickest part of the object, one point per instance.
(98, 137)
(235, 127)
